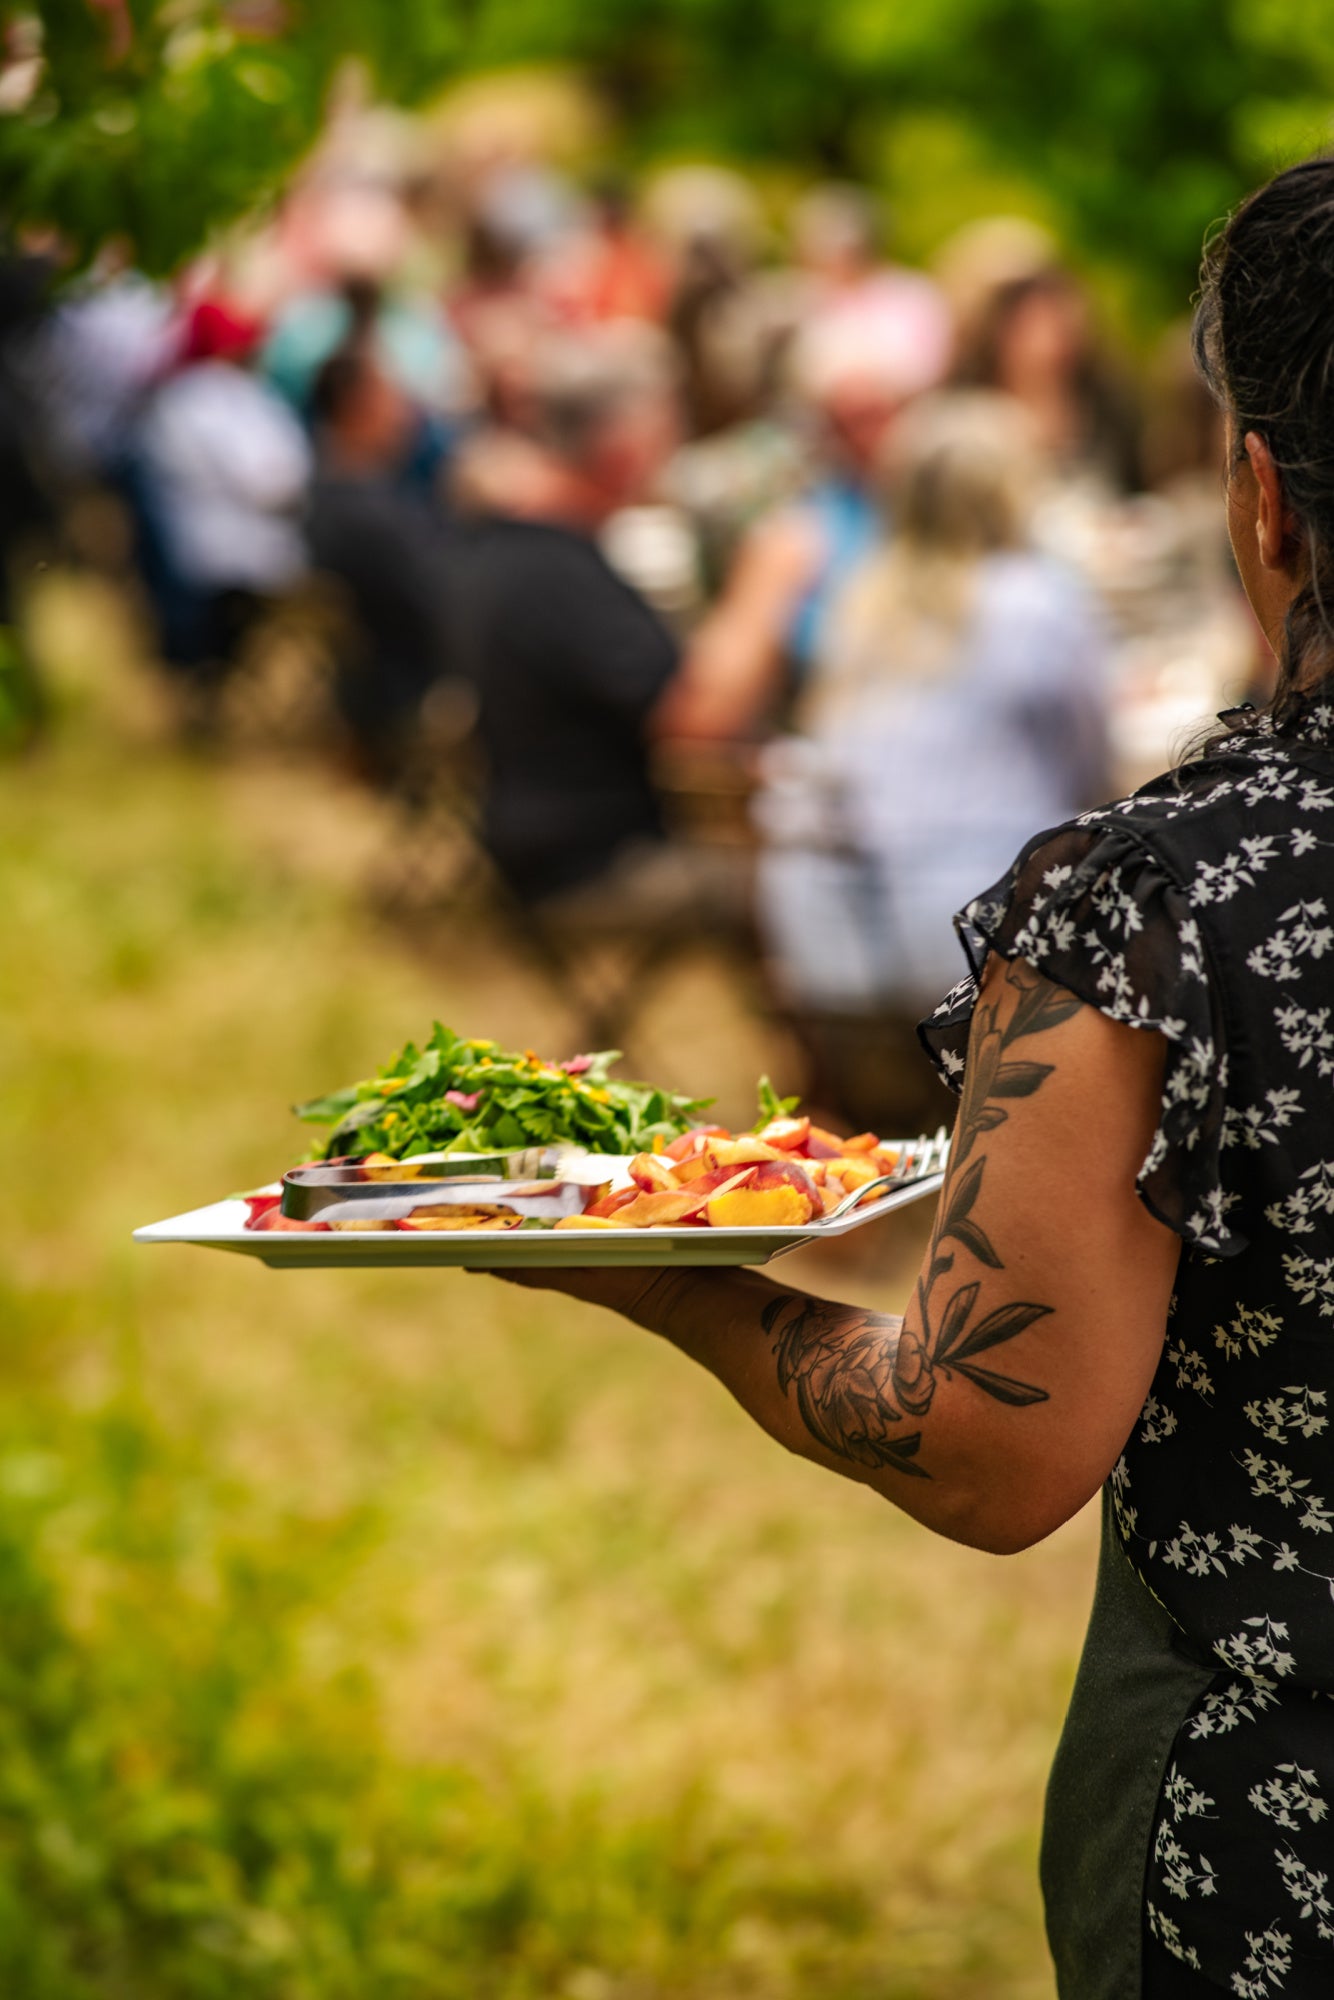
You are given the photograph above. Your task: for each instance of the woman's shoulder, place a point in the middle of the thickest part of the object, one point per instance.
(1246, 786)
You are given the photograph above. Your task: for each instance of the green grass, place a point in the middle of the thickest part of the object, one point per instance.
(414, 1637)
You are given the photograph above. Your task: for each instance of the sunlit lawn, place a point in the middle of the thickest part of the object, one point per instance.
(411, 1636)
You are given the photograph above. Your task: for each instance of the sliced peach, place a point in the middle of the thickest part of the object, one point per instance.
(693, 1141)
(854, 1172)
(822, 1145)
(586, 1222)
(459, 1217)
(273, 1218)
(789, 1173)
(788, 1134)
(649, 1211)
(653, 1174)
(608, 1204)
(715, 1179)
(861, 1142)
(740, 1152)
(782, 1207)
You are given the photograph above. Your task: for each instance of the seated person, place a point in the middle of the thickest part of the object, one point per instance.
(220, 470)
(569, 662)
(763, 635)
(957, 709)
(383, 541)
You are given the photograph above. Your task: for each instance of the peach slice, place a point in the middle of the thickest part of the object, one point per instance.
(648, 1211)
(653, 1174)
(788, 1134)
(694, 1168)
(854, 1172)
(459, 1218)
(694, 1141)
(781, 1207)
(717, 1180)
(742, 1152)
(790, 1173)
(608, 1204)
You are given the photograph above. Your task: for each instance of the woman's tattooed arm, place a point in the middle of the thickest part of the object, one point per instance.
(859, 1379)
(840, 1366)
(1000, 1401)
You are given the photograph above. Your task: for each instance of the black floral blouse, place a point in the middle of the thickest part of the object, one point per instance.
(1201, 908)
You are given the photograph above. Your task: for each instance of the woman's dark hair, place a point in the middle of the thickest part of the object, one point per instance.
(1264, 342)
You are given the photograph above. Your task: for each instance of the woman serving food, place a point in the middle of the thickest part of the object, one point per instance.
(1130, 1284)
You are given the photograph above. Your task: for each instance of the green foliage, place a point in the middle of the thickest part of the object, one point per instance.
(190, 1810)
(174, 126)
(771, 1104)
(1132, 129)
(1137, 126)
(20, 693)
(372, 1636)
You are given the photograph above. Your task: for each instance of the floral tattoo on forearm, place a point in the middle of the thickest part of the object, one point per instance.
(859, 1377)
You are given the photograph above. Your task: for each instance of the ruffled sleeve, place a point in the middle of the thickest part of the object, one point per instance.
(1094, 910)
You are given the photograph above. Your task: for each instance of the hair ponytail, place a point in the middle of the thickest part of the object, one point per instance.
(1264, 342)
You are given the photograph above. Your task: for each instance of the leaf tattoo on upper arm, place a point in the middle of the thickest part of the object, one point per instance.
(856, 1377)
(989, 1076)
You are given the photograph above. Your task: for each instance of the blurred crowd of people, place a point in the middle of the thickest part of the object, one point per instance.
(626, 478)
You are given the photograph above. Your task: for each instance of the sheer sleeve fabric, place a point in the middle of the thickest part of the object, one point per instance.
(1094, 910)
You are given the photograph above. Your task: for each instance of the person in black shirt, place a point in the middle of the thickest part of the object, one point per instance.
(568, 660)
(383, 541)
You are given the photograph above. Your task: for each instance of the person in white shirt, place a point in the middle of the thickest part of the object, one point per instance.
(224, 467)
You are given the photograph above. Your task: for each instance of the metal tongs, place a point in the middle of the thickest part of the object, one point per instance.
(538, 1183)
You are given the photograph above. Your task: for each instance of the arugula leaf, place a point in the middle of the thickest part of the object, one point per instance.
(772, 1105)
(462, 1095)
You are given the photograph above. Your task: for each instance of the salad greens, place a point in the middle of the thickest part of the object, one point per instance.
(771, 1104)
(458, 1096)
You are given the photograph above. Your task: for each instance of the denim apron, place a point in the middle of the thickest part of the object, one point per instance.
(1131, 1695)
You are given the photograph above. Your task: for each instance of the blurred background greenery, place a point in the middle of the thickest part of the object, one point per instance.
(408, 1635)
(1127, 130)
(417, 1638)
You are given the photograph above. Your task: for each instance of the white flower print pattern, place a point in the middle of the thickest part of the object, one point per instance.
(1306, 1034)
(1202, 909)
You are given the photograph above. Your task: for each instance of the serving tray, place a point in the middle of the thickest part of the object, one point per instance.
(220, 1226)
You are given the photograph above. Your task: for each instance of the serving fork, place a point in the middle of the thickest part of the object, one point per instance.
(919, 1159)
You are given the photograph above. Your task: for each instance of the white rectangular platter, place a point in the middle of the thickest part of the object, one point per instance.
(221, 1227)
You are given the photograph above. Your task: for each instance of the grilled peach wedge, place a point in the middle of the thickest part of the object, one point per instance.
(775, 1195)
